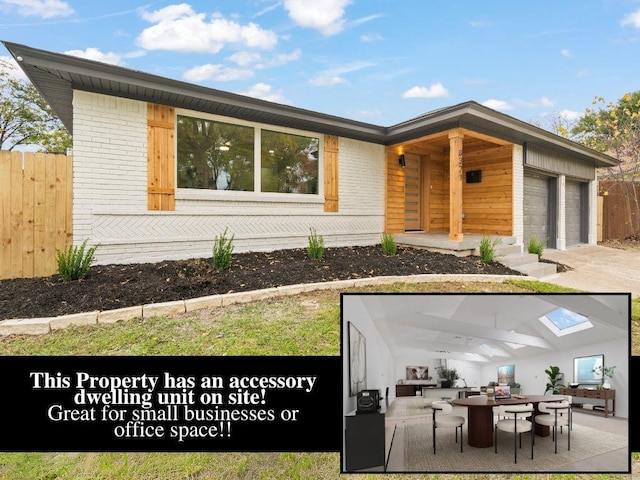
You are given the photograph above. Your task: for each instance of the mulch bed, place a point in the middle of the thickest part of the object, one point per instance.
(115, 286)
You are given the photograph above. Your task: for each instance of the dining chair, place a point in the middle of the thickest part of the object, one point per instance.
(555, 415)
(513, 419)
(442, 418)
(570, 400)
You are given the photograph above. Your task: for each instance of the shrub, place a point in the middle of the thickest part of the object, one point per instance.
(536, 246)
(488, 249)
(389, 246)
(222, 251)
(74, 262)
(315, 249)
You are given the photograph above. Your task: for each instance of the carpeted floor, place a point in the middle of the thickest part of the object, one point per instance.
(586, 442)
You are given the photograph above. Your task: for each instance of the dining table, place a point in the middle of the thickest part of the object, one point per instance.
(480, 415)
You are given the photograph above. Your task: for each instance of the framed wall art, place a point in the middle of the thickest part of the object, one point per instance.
(357, 360)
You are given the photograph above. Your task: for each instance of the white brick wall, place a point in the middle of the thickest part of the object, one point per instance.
(110, 197)
(561, 241)
(518, 194)
(593, 212)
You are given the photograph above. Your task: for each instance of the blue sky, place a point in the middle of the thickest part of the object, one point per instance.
(377, 61)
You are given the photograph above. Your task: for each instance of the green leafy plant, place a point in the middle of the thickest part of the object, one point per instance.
(536, 246)
(74, 262)
(389, 245)
(448, 374)
(488, 248)
(315, 248)
(554, 377)
(222, 251)
(605, 372)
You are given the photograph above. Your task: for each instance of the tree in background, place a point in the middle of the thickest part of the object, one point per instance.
(614, 129)
(26, 118)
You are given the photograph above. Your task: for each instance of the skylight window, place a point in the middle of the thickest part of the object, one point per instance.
(562, 321)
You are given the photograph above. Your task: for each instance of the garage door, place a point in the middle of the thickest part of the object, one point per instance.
(538, 210)
(574, 214)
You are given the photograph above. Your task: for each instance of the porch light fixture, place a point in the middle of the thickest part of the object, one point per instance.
(401, 160)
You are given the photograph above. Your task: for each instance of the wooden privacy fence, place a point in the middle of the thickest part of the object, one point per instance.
(620, 216)
(36, 205)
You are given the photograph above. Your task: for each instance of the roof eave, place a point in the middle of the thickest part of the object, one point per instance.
(57, 75)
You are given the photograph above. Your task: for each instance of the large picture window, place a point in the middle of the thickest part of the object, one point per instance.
(289, 163)
(215, 155)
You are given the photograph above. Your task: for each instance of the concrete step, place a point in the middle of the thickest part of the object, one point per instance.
(513, 260)
(502, 250)
(537, 270)
(507, 249)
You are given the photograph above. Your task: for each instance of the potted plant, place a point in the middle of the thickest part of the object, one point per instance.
(606, 372)
(449, 376)
(554, 378)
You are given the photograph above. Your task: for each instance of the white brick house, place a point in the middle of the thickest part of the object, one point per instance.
(145, 190)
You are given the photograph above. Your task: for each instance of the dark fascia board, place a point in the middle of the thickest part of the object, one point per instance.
(51, 73)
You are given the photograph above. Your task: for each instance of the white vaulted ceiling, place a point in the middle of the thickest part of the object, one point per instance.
(475, 327)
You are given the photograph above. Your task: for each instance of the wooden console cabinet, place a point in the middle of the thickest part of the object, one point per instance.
(405, 390)
(583, 393)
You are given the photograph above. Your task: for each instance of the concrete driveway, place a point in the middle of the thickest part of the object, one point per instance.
(597, 269)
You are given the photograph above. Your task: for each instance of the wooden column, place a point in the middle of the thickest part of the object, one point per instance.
(455, 185)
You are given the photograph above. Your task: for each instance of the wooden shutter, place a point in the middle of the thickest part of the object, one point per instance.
(161, 191)
(330, 173)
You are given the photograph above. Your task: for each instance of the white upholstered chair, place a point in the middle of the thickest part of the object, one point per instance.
(443, 418)
(555, 415)
(513, 419)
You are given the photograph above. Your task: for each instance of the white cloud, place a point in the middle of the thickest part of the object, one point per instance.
(571, 115)
(499, 105)
(327, 80)
(245, 58)
(39, 8)
(14, 70)
(480, 24)
(334, 75)
(370, 37)
(216, 72)
(326, 16)
(281, 59)
(264, 91)
(436, 90)
(631, 19)
(546, 102)
(179, 28)
(565, 52)
(95, 54)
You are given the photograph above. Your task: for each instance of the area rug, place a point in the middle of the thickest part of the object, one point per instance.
(585, 443)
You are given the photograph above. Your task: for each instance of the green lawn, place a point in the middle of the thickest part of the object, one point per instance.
(307, 324)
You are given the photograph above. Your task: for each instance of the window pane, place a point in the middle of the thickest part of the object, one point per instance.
(289, 163)
(214, 155)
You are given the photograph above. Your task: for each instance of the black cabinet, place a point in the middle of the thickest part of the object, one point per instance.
(364, 445)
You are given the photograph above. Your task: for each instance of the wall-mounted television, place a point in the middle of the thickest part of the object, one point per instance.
(583, 369)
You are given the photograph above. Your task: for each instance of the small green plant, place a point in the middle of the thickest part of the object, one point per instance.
(488, 249)
(554, 378)
(222, 251)
(536, 246)
(389, 245)
(604, 372)
(75, 261)
(315, 249)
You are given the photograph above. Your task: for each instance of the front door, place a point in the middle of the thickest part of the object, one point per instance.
(412, 196)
